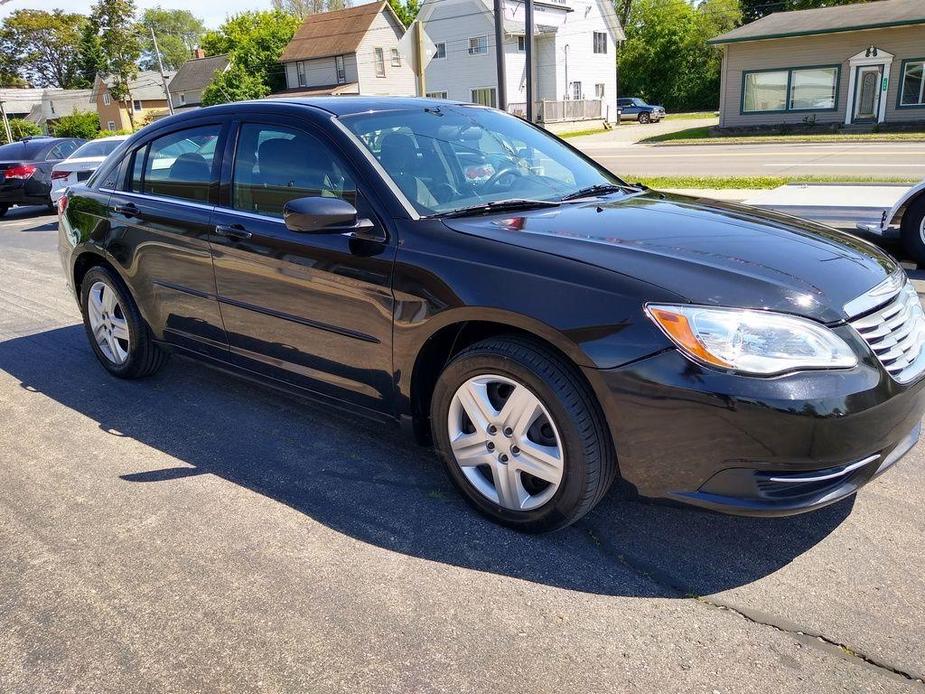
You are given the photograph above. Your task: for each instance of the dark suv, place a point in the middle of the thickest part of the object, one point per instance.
(547, 326)
(25, 169)
(640, 110)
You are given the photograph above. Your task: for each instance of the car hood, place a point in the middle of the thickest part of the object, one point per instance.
(707, 252)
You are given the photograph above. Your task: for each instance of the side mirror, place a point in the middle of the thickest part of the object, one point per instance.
(317, 215)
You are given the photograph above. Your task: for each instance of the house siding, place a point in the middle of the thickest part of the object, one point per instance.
(827, 49)
(560, 58)
(385, 33)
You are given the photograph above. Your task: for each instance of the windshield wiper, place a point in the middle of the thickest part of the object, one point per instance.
(597, 189)
(498, 206)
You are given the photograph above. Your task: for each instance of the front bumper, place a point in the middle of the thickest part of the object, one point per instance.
(756, 446)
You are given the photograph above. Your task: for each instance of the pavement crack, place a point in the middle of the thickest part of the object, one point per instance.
(804, 636)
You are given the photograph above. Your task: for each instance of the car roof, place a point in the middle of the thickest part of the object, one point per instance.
(350, 105)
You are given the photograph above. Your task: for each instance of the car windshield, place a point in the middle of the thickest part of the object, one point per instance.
(97, 148)
(449, 158)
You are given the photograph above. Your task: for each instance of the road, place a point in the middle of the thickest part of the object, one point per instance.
(192, 532)
(889, 160)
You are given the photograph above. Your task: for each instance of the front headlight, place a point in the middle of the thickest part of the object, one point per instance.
(751, 342)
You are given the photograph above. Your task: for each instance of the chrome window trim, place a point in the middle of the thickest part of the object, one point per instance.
(159, 198)
(358, 143)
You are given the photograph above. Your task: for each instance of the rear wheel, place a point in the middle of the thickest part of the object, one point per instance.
(913, 230)
(644, 118)
(521, 435)
(118, 335)
(4, 209)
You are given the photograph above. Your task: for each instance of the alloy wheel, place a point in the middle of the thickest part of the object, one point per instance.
(108, 323)
(505, 442)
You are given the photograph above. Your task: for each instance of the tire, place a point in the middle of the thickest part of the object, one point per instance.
(644, 118)
(576, 432)
(4, 209)
(913, 230)
(137, 356)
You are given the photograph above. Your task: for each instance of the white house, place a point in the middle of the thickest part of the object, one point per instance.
(574, 55)
(349, 51)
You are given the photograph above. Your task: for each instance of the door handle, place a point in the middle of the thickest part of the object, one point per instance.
(235, 232)
(128, 210)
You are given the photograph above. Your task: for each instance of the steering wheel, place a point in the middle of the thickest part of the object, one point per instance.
(503, 171)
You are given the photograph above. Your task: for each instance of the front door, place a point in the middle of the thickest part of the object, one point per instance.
(314, 310)
(867, 94)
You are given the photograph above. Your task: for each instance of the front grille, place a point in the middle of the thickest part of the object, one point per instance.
(895, 331)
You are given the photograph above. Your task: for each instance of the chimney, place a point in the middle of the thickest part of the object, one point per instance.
(198, 54)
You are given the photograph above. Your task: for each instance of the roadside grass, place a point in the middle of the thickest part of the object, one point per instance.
(702, 136)
(692, 115)
(581, 133)
(749, 182)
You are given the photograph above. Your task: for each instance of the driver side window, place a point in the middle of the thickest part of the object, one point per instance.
(275, 164)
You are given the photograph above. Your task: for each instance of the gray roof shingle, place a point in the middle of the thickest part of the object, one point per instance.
(827, 20)
(197, 74)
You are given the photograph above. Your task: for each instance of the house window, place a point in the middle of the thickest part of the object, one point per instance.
(136, 105)
(436, 95)
(380, 62)
(600, 42)
(599, 90)
(300, 74)
(341, 71)
(396, 58)
(576, 91)
(107, 100)
(484, 96)
(521, 43)
(439, 51)
(478, 45)
(913, 84)
(111, 125)
(182, 97)
(796, 89)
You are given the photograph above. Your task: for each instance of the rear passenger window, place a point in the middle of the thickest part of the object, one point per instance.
(274, 165)
(179, 165)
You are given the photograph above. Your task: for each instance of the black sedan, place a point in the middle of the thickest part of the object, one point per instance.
(548, 327)
(25, 169)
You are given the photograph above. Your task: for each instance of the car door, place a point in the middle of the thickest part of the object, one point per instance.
(161, 217)
(314, 310)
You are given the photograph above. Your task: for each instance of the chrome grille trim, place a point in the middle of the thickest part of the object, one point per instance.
(895, 330)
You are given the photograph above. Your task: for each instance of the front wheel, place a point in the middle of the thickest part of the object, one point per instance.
(521, 435)
(118, 335)
(913, 230)
(644, 118)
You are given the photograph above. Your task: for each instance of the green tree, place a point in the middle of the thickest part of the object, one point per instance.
(666, 58)
(90, 59)
(21, 128)
(756, 9)
(178, 33)
(254, 42)
(41, 45)
(304, 8)
(407, 10)
(120, 45)
(82, 124)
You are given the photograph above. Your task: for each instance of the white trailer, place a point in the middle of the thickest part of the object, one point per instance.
(885, 211)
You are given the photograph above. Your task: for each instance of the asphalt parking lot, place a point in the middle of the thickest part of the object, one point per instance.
(196, 533)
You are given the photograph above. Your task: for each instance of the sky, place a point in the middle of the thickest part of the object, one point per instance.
(212, 13)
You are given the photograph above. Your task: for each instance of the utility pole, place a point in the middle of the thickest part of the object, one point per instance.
(528, 45)
(6, 123)
(499, 55)
(160, 64)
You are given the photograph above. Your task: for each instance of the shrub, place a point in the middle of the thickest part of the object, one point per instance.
(82, 124)
(21, 128)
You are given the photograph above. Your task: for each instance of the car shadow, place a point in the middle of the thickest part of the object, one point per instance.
(372, 483)
(27, 212)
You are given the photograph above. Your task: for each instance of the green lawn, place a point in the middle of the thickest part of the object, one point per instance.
(694, 115)
(750, 182)
(702, 136)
